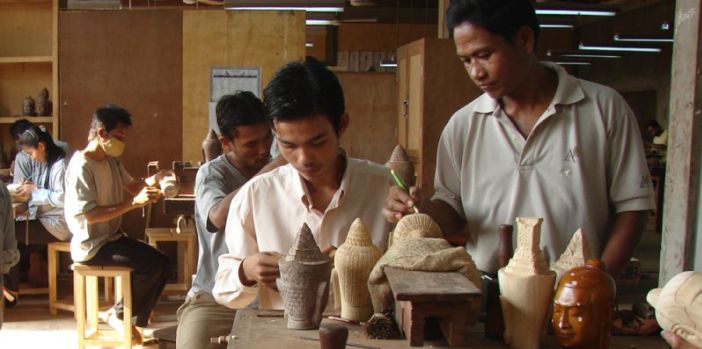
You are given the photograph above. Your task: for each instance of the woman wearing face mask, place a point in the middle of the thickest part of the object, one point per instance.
(47, 186)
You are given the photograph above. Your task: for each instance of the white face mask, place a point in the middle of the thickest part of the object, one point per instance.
(113, 147)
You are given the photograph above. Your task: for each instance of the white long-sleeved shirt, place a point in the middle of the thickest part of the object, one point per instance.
(268, 211)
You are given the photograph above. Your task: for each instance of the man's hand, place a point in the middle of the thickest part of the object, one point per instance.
(261, 268)
(147, 195)
(398, 203)
(676, 342)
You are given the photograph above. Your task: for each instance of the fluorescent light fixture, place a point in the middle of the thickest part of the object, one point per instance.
(618, 48)
(309, 44)
(292, 8)
(557, 26)
(388, 64)
(632, 38)
(569, 63)
(587, 55)
(321, 22)
(563, 12)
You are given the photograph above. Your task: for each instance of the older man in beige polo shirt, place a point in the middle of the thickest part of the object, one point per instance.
(539, 142)
(320, 186)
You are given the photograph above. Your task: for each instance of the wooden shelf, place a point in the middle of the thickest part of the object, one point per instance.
(33, 119)
(26, 59)
(24, 1)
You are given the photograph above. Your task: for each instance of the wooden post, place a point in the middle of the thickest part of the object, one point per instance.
(443, 32)
(682, 176)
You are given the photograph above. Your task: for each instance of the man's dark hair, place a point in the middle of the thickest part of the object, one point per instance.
(18, 127)
(241, 108)
(500, 17)
(304, 89)
(108, 117)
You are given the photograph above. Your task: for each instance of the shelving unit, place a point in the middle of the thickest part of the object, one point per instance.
(28, 61)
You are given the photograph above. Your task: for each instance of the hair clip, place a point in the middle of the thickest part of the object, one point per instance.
(42, 128)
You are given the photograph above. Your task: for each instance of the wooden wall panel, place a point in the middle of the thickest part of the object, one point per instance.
(370, 103)
(216, 38)
(25, 29)
(132, 59)
(381, 37)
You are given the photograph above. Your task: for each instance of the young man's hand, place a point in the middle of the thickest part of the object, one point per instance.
(147, 195)
(399, 203)
(261, 268)
(676, 342)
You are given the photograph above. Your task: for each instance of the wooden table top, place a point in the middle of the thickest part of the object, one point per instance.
(264, 329)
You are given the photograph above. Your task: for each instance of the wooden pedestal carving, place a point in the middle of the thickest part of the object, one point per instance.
(526, 285)
(420, 295)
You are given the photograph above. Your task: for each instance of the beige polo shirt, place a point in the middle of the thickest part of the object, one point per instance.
(583, 162)
(268, 211)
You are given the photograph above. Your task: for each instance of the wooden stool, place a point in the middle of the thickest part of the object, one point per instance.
(53, 249)
(420, 295)
(156, 235)
(86, 286)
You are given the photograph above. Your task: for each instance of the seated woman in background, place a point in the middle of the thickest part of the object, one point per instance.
(47, 185)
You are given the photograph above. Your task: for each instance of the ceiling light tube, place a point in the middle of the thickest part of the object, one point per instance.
(630, 38)
(569, 63)
(587, 55)
(618, 48)
(309, 44)
(293, 8)
(388, 64)
(558, 26)
(321, 22)
(553, 12)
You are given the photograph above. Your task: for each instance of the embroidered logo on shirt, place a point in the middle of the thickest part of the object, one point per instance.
(572, 154)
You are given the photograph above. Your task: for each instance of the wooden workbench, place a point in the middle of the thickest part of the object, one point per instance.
(254, 331)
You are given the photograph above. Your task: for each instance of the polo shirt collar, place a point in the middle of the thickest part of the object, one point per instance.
(568, 91)
(300, 190)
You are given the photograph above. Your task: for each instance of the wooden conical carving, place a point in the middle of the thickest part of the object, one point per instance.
(211, 148)
(353, 263)
(575, 255)
(402, 165)
(304, 282)
(526, 287)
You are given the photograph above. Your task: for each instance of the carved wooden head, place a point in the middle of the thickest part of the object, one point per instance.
(678, 306)
(583, 307)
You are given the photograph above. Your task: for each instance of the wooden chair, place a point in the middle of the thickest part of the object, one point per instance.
(87, 307)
